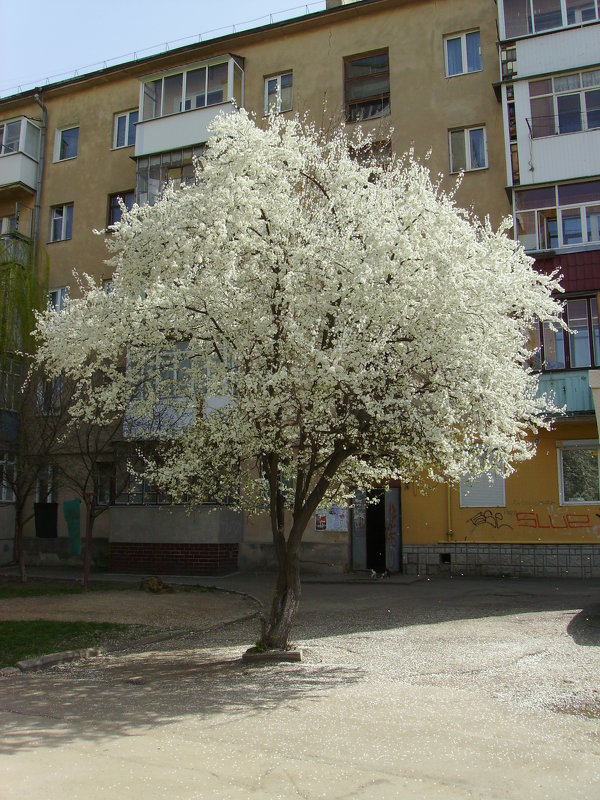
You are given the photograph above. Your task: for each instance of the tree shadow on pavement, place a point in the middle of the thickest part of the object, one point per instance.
(585, 626)
(125, 696)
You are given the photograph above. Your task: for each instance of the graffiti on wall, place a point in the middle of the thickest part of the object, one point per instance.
(532, 519)
(491, 518)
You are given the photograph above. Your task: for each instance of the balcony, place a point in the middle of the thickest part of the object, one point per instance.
(15, 249)
(570, 390)
(19, 154)
(177, 108)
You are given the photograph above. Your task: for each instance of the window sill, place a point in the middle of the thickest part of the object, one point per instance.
(469, 171)
(462, 74)
(367, 119)
(61, 160)
(58, 241)
(123, 147)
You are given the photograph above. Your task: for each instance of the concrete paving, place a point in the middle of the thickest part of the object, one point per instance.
(447, 688)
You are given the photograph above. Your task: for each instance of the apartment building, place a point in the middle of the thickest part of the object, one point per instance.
(425, 75)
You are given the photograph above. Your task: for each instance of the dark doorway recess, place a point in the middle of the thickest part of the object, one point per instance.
(376, 531)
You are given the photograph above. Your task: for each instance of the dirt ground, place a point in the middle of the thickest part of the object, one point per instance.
(189, 610)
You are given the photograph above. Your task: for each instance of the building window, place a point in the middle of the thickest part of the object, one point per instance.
(578, 348)
(203, 85)
(565, 104)
(463, 53)
(522, 17)
(278, 93)
(10, 134)
(45, 489)
(367, 86)
(578, 472)
(484, 491)
(153, 173)
(468, 149)
(61, 227)
(114, 206)
(8, 473)
(10, 383)
(124, 129)
(66, 143)
(58, 297)
(558, 216)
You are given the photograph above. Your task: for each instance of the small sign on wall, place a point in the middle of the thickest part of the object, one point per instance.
(334, 519)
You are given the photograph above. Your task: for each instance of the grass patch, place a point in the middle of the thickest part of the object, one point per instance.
(33, 638)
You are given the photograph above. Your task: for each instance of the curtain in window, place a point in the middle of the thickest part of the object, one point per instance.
(454, 50)
(473, 54)
(477, 148)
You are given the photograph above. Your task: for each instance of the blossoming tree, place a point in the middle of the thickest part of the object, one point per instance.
(301, 323)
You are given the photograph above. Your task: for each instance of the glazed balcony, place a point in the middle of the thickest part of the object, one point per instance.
(15, 249)
(177, 107)
(569, 389)
(19, 155)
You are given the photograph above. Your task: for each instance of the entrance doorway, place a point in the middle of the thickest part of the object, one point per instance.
(376, 530)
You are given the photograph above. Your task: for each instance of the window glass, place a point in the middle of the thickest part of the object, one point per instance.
(286, 92)
(32, 140)
(68, 143)
(548, 229)
(571, 226)
(121, 125)
(535, 198)
(133, 121)
(517, 18)
(595, 329)
(592, 218)
(12, 134)
(473, 42)
(526, 231)
(580, 474)
(579, 11)
(579, 340)
(217, 84)
(172, 89)
(152, 99)
(114, 208)
(554, 348)
(477, 145)
(546, 15)
(195, 89)
(590, 78)
(458, 151)
(367, 87)
(537, 88)
(572, 193)
(454, 55)
(592, 107)
(542, 117)
(569, 113)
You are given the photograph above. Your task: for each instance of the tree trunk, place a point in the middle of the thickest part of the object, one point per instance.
(285, 604)
(19, 549)
(89, 524)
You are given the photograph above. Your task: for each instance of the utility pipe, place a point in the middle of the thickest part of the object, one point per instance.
(38, 186)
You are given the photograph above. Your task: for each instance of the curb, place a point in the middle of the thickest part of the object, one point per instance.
(33, 664)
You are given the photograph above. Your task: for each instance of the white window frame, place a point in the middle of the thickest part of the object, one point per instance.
(64, 214)
(3, 131)
(58, 141)
(57, 298)
(468, 485)
(7, 459)
(463, 46)
(573, 444)
(466, 132)
(556, 94)
(564, 20)
(11, 380)
(128, 125)
(279, 109)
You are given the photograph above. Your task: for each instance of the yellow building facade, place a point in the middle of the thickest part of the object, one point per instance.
(437, 87)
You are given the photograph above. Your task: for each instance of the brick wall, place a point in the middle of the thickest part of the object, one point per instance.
(517, 560)
(173, 558)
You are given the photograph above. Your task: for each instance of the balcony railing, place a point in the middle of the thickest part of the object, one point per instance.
(557, 124)
(15, 249)
(570, 390)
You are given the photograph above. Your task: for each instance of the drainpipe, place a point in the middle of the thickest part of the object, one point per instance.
(450, 532)
(38, 187)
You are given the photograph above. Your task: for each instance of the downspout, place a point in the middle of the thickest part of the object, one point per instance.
(450, 532)
(38, 186)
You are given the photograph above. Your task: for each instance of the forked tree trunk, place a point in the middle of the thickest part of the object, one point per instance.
(277, 629)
